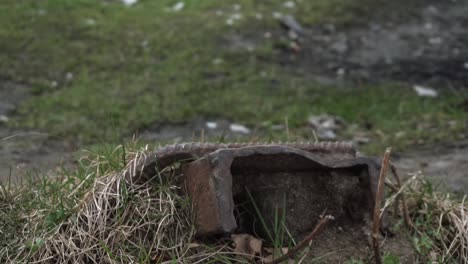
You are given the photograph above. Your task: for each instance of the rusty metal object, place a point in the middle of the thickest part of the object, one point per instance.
(147, 166)
(310, 176)
(215, 179)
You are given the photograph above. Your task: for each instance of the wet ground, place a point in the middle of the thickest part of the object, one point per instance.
(429, 49)
(27, 152)
(446, 164)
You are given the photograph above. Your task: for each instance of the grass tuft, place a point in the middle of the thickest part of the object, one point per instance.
(96, 216)
(112, 221)
(441, 223)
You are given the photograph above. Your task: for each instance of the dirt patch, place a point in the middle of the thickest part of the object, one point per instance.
(26, 152)
(348, 236)
(197, 130)
(429, 48)
(11, 94)
(290, 194)
(446, 164)
(270, 188)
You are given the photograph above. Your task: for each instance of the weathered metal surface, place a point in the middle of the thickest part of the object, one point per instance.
(339, 184)
(299, 179)
(147, 166)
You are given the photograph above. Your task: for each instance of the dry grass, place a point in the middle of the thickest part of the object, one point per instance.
(130, 224)
(117, 222)
(114, 221)
(440, 223)
(103, 218)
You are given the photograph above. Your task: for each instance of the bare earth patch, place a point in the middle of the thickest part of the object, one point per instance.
(26, 152)
(446, 164)
(429, 48)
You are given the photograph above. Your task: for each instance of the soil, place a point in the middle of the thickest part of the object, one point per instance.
(196, 130)
(430, 48)
(446, 164)
(27, 152)
(301, 197)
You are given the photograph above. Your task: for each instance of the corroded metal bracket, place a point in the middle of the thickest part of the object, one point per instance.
(344, 185)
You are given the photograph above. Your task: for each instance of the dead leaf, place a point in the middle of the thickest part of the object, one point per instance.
(269, 250)
(269, 258)
(247, 244)
(275, 253)
(285, 250)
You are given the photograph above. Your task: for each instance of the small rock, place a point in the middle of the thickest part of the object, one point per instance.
(219, 12)
(258, 16)
(129, 2)
(326, 121)
(267, 35)
(432, 9)
(69, 76)
(178, 6)
(237, 7)
(90, 22)
(326, 126)
(290, 23)
(232, 18)
(465, 65)
(400, 134)
(41, 12)
(212, 125)
(277, 15)
(361, 140)
(340, 46)
(4, 119)
(428, 26)
(217, 61)
(435, 41)
(292, 35)
(289, 4)
(326, 134)
(425, 91)
(340, 72)
(239, 128)
(236, 16)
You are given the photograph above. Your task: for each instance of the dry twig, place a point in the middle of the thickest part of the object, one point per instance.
(378, 201)
(408, 222)
(318, 228)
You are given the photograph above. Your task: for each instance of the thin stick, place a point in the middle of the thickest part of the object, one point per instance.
(395, 190)
(397, 197)
(391, 186)
(378, 201)
(318, 228)
(406, 216)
